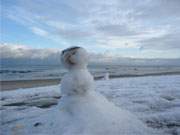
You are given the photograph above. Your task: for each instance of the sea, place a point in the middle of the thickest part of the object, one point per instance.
(33, 72)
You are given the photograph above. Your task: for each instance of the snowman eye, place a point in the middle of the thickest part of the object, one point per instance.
(73, 53)
(62, 52)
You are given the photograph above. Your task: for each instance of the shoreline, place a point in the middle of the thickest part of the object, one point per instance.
(18, 84)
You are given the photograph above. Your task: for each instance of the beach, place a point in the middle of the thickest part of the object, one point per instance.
(155, 100)
(19, 84)
(90, 67)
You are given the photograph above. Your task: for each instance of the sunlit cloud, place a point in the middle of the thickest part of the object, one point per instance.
(39, 31)
(22, 51)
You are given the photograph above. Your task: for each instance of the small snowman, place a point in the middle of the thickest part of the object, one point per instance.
(85, 111)
(78, 81)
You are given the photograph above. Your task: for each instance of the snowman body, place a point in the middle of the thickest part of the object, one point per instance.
(77, 82)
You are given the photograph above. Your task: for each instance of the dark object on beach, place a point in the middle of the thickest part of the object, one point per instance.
(37, 124)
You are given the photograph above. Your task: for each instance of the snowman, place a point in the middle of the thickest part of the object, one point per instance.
(85, 111)
(78, 81)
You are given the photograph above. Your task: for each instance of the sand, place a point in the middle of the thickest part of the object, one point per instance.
(18, 84)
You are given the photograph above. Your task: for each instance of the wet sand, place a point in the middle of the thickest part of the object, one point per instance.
(18, 84)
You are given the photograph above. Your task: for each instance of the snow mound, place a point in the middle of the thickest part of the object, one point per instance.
(154, 100)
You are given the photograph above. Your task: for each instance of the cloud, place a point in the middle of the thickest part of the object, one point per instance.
(39, 31)
(159, 10)
(116, 30)
(166, 42)
(12, 54)
(22, 51)
(74, 33)
(147, 24)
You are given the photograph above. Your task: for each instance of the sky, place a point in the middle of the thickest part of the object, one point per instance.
(115, 28)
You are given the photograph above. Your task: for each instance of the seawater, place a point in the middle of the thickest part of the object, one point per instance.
(31, 72)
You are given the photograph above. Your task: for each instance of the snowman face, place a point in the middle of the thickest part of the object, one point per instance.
(74, 56)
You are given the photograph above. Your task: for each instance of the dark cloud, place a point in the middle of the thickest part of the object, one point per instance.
(166, 42)
(161, 8)
(73, 33)
(21, 55)
(116, 30)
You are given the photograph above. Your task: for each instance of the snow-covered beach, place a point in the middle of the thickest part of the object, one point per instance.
(153, 99)
(90, 67)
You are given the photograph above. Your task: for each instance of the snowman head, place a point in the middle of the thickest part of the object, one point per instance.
(74, 57)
